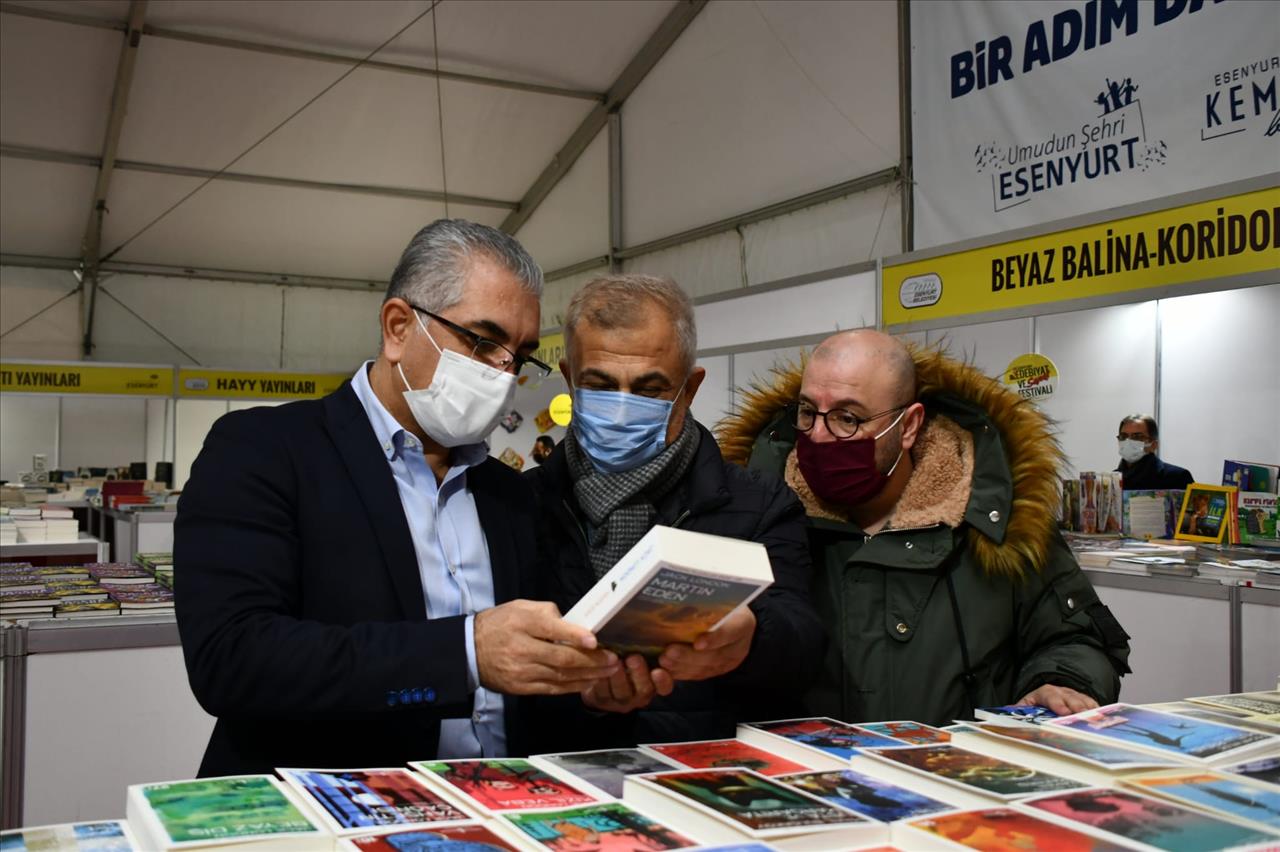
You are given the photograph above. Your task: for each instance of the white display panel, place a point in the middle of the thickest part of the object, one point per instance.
(159, 433)
(989, 346)
(1106, 360)
(195, 418)
(28, 425)
(99, 431)
(1219, 385)
(821, 307)
(715, 396)
(757, 367)
(1260, 638)
(118, 717)
(703, 267)
(329, 331)
(39, 319)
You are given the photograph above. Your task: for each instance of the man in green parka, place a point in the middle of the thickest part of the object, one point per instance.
(938, 568)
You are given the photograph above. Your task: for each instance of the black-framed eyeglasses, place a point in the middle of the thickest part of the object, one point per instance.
(492, 352)
(841, 423)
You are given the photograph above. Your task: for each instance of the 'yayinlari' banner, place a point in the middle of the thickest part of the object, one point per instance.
(1026, 113)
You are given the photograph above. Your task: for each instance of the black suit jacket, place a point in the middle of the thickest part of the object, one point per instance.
(298, 597)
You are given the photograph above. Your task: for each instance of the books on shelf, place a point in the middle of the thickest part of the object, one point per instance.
(816, 743)
(1192, 740)
(141, 597)
(737, 805)
(671, 587)
(254, 812)
(602, 826)
(497, 785)
(602, 772)
(356, 801)
(708, 754)
(111, 835)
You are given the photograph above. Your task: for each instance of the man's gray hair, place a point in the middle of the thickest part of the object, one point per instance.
(619, 301)
(434, 267)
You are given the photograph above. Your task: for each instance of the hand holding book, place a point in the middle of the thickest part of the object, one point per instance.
(715, 652)
(1060, 699)
(525, 648)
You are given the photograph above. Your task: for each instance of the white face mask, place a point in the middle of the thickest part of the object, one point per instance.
(464, 401)
(1132, 449)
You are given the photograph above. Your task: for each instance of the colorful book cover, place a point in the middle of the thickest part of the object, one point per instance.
(673, 606)
(608, 768)
(611, 827)
(224, 809)
(1104, 755)
(1150, 513)
(507, 784)
(369, 798)
(980, 772)
(1263, 769)
(753, 802)
(1204, 513)
(1168, 732)
(1256, 515)
(827, 735)
(1251, 476)
(456, 838)
(1008, 830)
(150, 595)
(908, 732)
(1163, 825)
(1230, 796)
(1032, 713)
(717, 754)
(866, 795)
(105, 836)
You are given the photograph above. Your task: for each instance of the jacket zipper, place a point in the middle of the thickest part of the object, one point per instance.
(681, 517)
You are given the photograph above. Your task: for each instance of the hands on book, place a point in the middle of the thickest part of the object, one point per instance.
(525, 648)
(633, 686)
(1060, 699)
(715, 652)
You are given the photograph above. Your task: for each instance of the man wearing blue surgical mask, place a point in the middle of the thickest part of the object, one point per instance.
(633, 457)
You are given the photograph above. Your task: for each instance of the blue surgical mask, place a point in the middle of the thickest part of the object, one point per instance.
(620, 431)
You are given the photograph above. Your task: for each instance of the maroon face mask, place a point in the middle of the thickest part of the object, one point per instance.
(843, 472)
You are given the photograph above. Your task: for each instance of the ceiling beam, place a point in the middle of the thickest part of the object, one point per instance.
(637, 69)
(116, 267)
(23, 152)
(91, 245)
(297, 53)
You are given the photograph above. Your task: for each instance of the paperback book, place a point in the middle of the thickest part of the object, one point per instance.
(607, 827)
(103, 836)
(1228, 795)
(1107, 756)
(1136, 818)
(1032, 713)
(818, 743)
(354, 801)
(865, 794)
(603, 771)
(952, 765)
(914, 733)
(1006, 830)
(1167, 733)
(457, 838)
(1251, 476)
(1263, 769)
(1254, 703)
(505, 784)
(726, 805)
(253, 811)
(721, 754)
(671, 587)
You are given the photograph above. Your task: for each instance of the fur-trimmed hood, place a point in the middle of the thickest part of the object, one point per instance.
(1016, 456)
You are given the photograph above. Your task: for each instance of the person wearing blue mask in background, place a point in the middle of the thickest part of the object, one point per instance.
(1140, 463)
(634, 457)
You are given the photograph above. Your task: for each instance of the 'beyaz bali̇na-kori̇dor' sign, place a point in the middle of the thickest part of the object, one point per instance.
(18, 377)
(1194, 242)
(251, 384)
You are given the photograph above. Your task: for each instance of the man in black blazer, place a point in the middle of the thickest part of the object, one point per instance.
(350, 570)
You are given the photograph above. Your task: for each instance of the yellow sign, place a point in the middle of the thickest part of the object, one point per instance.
(551, 350)
(85, 378)
(1031, 376)
(1195, 242)
(255, 384)
(561, 409)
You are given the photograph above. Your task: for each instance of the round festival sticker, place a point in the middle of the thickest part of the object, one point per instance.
(561, 409)
(1031, 376)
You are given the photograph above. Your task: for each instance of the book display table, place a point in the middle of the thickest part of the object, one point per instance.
(85, 549)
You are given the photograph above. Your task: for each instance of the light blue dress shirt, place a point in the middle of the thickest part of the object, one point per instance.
(453, 559)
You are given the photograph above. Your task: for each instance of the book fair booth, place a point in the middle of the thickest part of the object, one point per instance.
(1007, 189)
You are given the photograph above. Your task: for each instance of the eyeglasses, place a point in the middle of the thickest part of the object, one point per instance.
(1135, 437)
(492, 352)
(841, 423)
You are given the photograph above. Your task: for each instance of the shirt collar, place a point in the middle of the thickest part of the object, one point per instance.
(394, 438)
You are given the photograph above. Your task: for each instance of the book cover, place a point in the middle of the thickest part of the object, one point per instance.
(990, 775)
(828, 736)
(103, 836)
(751, 801)
(1204, 513)
(1255, 703)
(235, 808)
(914, 733)
(1134, 817)
(671, 587)
(148, 596)
(1009, 830)
(1214, 713)
(1216, 791)
(458, 838)
(1032, 713)
(1251, 476)
(1104, 755)
(361, 799)
(609, 827)
(1150, 513)
(715, 754)
(506, 784)
(606, 769)
(1256, 515)
(865, 794)
(1167, 732)
(1263, 769)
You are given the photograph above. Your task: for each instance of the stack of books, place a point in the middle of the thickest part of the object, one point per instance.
(59, 523)
(132, 587)
(55, 591)
(160, 565)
